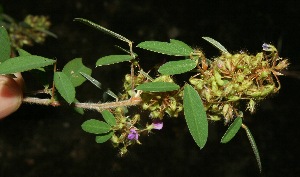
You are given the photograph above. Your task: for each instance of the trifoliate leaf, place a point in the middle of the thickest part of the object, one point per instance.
(195, 115)
(232, 130)
(177, 67)
(111, 59)
(175, 47)
(158, 87)
(64, 86)
(24, 63)
(73, 68)
(4, 45)
(95, 126)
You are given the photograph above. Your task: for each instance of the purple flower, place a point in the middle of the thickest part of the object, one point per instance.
(156, 124)
(133, 135)
(266, 47)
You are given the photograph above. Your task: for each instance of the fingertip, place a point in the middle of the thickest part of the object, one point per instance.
(10, 96)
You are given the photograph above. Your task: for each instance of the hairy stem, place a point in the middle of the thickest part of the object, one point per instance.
(91, 106)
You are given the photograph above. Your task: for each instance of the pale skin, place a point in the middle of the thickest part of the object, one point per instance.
(11, 94)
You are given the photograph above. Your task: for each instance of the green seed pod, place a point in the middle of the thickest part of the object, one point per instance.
(214, 117)
(228, 65)
(214, 86)
(225, 109)
(127, 78)
(245, 85)
(123, 151)
(264, 63)
(282, 65)
(215, 108)
(145, 106)
(207, 94)
(264, 74)
(114, 139)
(173, 104)
(154, 106)
(136, 118)
(218, 77)
(240, 78)
(257, 60)
(179, 108)
(131, 93)
(253, 93)
(236, 58)
(123, 119)
(251, 105)
(233, 98)
(155, 114)
(163, 78)
(198, 83)
(228, 89)
(268, 89)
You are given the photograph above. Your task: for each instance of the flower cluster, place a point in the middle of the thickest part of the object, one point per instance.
(127, 130)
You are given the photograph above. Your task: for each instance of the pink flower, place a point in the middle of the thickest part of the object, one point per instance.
(156, 124)
(133, 135)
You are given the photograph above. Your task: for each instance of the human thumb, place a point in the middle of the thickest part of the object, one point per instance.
(11, 95)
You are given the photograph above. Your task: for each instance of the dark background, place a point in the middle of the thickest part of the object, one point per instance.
(47, 141)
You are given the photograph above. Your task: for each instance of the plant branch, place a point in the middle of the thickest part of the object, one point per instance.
(90, 106)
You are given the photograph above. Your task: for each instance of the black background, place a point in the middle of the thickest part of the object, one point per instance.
(47, 141)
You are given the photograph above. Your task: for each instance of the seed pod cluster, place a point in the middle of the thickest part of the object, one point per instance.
(231, 78)
(158, 103)
(33, 29)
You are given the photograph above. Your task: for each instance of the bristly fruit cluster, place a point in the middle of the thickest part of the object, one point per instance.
(234, 78)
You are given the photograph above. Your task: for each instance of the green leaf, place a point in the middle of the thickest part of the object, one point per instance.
(101, 28)
(103, 138)
(64, 86)
(158, 86)
(232, 130)
(73, 68)
(112, 94)
(127, 51)
(182, 45)
(216, 44)
(109, 117)
(176, 48)
(91, 79)
(24, 63)
(195, 115)
(22, 53)
(254, 146)
(95, 126)
(79, 110)
(111, 59)
(4, 45)
(177, 67)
